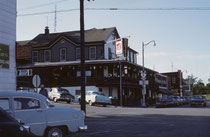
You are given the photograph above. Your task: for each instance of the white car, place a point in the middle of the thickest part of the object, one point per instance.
(96, 97)
(41, 115)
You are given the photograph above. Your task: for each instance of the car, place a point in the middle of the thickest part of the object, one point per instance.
(198, 100)
(9, 127)
(43, 117)
(96, 97)
(165, 102)
(60, 94)
(26, 89)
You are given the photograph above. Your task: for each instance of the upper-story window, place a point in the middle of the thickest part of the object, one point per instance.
(135, 58)
(92, 52)
(47, 55)
(173, 79)
(128, 55)
(63, 54)
(110, 53)
(78, 53)
(35, 56)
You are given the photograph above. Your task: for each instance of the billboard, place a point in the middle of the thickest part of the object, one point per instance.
(4, 56)
(24, 52)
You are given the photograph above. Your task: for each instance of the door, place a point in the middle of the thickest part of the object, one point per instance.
(5, 104)
(30, 111)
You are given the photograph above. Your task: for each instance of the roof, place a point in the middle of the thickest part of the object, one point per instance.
(91, 36)
(23, 43)
(22, 94)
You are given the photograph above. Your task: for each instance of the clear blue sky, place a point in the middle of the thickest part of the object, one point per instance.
(182, 37)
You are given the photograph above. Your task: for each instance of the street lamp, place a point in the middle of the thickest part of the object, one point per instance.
(143, 72)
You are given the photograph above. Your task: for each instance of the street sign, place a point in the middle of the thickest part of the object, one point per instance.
(36, 81)
(146, 82)
(143, 74)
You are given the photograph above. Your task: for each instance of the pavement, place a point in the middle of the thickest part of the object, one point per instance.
(111, 121)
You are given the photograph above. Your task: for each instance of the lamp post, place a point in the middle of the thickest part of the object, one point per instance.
(82, 44)
(143, 72)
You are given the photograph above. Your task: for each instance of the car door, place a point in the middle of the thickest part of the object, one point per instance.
(30, 111)
(6, 105)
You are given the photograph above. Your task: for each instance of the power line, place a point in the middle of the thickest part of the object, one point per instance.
(41, 5)
(126, 9)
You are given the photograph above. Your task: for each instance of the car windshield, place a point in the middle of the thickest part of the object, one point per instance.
(63, 91)
(96, 93)
(49, 103)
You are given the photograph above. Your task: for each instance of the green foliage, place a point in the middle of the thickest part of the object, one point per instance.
(208, 97)
(200, 88)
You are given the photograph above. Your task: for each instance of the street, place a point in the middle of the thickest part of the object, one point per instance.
(114, 121)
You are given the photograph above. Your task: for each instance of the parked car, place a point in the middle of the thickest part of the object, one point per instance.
(26, 89)
(60, 94)
(96, 97)
(198, 100)
(9, 127)
(41, 115)
(166, 102)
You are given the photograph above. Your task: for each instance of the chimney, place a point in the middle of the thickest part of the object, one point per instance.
(47, 30)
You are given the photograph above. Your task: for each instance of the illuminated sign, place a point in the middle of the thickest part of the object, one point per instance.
(4, 56)
(119, 48)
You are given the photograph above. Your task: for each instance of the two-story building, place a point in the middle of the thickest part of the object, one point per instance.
(55, 57)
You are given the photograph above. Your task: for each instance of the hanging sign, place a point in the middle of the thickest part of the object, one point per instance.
(119, 48)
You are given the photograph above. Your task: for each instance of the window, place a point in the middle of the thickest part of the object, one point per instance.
(78, 92)
(4, 103)
(77, 53)
(35, 56)
(26, 103)
(92, 52)
(63, 54)
(87, 73)
(24, 72)
(110, 53)
(47, 55)
(173, 79)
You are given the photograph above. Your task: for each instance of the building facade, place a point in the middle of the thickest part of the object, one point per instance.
(7, 45)
(55, 57)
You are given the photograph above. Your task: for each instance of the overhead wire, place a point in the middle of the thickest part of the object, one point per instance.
(125, 9)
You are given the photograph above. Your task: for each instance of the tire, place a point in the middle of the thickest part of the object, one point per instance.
(104, 105)
(55, 132)
(55, 99)
(90, 103)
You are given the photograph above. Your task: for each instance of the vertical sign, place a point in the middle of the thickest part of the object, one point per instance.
(119, 48)
(4, 56)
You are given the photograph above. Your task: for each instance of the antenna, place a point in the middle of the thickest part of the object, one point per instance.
(55, 20)
(172, 66)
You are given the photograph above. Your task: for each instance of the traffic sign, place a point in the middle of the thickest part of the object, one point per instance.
(36, 81)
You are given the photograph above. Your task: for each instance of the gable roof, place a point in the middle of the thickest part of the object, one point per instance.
(91, 36)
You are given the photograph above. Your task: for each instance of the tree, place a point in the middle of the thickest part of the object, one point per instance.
(199, 87)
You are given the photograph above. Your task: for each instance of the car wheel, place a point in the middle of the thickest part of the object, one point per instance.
(55, 132)
(90, 103)
(104, 105)
(55, 99)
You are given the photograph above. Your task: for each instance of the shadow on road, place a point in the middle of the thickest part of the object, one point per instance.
(146, 126)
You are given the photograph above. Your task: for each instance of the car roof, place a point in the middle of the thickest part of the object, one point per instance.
(22, 94)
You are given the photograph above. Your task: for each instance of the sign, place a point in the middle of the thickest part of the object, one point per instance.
(146, 82)
(119, 48)
(4, 56)
(36, 81)
(24, 52)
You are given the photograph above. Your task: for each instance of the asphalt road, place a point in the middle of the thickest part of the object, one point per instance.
(145, 122)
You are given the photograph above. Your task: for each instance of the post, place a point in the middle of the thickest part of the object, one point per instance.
(121, 93)
(82, 44)
(143, 78)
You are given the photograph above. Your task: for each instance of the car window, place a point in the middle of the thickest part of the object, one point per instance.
(26, 103)
(49, 103)
(63, 91)
(4, 103)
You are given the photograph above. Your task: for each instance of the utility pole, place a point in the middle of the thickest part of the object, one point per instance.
(82, 48)
(55, 20)
(82, 52)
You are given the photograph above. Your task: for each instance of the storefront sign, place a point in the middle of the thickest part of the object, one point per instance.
(119, 48)
(4, 56)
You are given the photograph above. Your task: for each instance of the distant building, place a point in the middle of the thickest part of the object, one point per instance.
(7, 45)
(175, 82)
(55, 57)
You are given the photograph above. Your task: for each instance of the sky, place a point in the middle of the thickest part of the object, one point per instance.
(182, 36)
